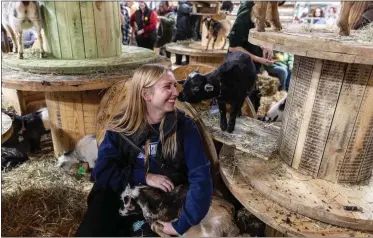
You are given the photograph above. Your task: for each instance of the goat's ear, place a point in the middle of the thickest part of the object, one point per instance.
(182, 82)
(209, 88)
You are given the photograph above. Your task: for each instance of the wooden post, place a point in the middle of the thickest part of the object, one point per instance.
(79, 30)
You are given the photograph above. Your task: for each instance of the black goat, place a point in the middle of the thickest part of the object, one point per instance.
(229, 83)
(28, 129)
(12, 157)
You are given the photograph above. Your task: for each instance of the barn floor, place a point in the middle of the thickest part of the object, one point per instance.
(39, 199)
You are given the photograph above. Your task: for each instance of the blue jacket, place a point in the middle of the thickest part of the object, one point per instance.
(114, 168)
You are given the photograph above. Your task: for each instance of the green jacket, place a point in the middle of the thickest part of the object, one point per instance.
(165, 29)
(282, 59)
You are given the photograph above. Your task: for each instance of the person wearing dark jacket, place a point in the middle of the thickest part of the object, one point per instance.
(144, 23)
(172, 147)
(183, 29)
(167, 21)
(238, 37)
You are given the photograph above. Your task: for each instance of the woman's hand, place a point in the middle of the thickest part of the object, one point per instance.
(140, 32)
(265, 61)
(267, 53)
(159, 181)
(168, 228)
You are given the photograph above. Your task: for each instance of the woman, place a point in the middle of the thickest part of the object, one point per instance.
(319, 15)
(173, 148)
(144, 23)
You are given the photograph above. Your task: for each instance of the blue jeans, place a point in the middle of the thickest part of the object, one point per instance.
(283, 73)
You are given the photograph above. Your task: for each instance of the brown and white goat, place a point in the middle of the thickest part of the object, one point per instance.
(157, 205)
(18, 16)
(216, 29)
(350, 13)
(266, 11)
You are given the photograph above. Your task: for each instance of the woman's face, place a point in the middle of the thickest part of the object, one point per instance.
(317, 12)
(163, 94)
(142, 5)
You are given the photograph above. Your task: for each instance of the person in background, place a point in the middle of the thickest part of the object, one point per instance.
(125, 17)
(319, 14)
(238, 37)
(331, 18)
(227, 6)
(144, 23)
(183, 29)
(167, 20)
(281, 68)
(29, 37)
(195, 23)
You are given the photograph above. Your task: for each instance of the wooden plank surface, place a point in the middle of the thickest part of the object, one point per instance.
(354, 84)
(102, 29)
(89, 29)
(184, 49)
(358, 156)
(321, 45)
(51, 30)
(314, 198)
(63, 29)
(274, 215)
(74, 23)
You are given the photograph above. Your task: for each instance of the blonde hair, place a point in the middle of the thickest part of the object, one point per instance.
(133, 113)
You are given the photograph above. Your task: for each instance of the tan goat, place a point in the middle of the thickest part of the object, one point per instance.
(350, 13)
(18, 16)
(217, 29)
(266, 11)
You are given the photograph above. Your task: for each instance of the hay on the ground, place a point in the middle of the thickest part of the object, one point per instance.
(39, 199)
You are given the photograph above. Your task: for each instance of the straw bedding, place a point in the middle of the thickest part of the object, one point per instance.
(39, 199)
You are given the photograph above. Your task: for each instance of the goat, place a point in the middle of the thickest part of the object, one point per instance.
(18, 16)
(350, 14)
(85, 151)
(28, 128)
(276, 112)
(12, 157)
(266, 11)
(229, 83)
(216, 29)
(157, 205)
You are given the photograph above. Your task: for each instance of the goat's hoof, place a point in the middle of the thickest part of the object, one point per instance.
(260, 29)
(230, 129)
(20, 55)
(42, 55)
(223, 126)
(344, 33)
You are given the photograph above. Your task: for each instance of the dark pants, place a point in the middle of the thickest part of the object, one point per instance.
(145, 42)
(283, 73)
(103, 219)
(179, 58)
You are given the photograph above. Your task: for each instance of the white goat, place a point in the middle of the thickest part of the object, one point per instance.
(18, 16)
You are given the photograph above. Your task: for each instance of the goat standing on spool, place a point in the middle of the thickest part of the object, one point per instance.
(216, 29)
(18, 16)
(229, 84)
(266, 11)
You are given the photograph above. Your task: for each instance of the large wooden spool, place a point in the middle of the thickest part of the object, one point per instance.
(328, 126)
(83, 30)
(85, 57)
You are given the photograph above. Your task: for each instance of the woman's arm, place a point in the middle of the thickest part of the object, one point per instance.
(198, 198)
(253, 57)
(111, 171)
